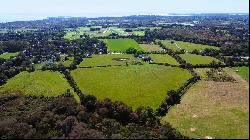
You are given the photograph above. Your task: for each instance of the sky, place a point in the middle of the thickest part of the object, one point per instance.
(94, 8)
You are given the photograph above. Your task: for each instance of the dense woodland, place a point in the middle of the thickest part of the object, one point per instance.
(62, 117)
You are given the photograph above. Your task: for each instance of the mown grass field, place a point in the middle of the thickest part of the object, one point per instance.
(163, 58)
(197, 59)
(8, 55)
(150, 47)
(243, 72)
(106, 59)
(191, 46)
(145, 85)
(218, 110)
(121, 45)
(38, 83)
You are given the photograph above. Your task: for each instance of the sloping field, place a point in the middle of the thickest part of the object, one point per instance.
(145, 85)
(37, 83)
(197, 59)
(163, 58)
(8, 55)
(107, 59)
(121, 45)
(150, 48)
(213, 110)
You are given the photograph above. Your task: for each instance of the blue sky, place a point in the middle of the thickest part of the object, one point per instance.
(120, 7)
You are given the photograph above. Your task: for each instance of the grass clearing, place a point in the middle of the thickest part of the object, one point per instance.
(121, 45)
(145, 85)
(163, 58)
(8, 55)
(107, 59)
(150, 47)
(243, 72)
(215, 109)
(197, 59)
(38, 83)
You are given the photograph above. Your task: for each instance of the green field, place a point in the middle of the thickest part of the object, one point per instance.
(106, 59)
(191, 46)
(37, 83)
(145, 85)
(8, 55)
(139, 33)
(169, 45)
(197, 59)
(150, 47)
(163, 58)
(243, 72)
(68, 62)
(121, 45)
(185, 45)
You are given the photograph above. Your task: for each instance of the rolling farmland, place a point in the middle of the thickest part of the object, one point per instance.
(145, 85)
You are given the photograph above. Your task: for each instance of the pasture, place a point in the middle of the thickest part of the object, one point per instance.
(169, 44)
(145, 85)
(243, 72)
(8, 55)
(178, 45)
(197, 59)
(192, 46)
(107, 59)
(121, 45)
(138, 33)
(213, 110)
(163, 58)
(39, 83)
(150, 47)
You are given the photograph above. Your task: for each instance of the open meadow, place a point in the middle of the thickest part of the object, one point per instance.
(107, 59)
(144, 85)
(213, 109)
(169, 44)
(150, 47)
(178, 45)
(198, 59)
(39, 83)
(163, 58)
(121, 45)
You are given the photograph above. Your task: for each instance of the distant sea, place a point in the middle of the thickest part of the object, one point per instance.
(20, 17)
(11, 18)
